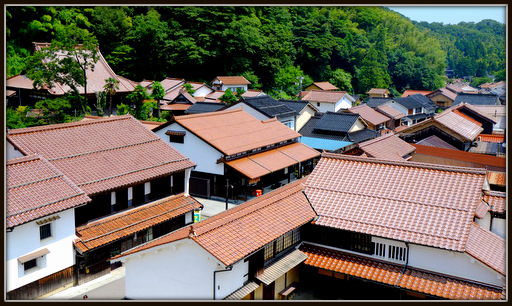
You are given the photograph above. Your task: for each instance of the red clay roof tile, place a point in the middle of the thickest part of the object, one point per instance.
(369, 114)
(497, 200)
(388, 146)
(122, 224)
(390, 274)
(236, 233)
(102, 155)
(323, 96)
(487, 247)
(36, 189)
(432, 205)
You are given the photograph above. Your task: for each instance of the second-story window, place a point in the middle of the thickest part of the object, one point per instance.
(45, 231)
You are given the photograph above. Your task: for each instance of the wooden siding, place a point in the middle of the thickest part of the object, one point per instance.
(43, 286)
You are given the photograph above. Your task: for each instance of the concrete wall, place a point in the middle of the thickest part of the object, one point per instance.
(204, 155)
(179, 270)
(25, 239)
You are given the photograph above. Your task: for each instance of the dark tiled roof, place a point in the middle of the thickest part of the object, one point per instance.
(204, 107)
(308, 131)
(336, 122)
(362, 135)
(477, 99)
(376, 101)
(269, 106)
(36, 189)
(415, 101)
(296, 105)
(418, 116)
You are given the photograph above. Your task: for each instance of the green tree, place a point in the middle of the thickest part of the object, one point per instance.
(158, 93)
(137, 96)
(101, 102)
(342, 79)
(54, 111)
(110, 87)
(189, 88)
(66, 61)
(228, 97)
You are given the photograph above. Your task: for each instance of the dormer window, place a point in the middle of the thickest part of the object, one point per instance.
(176, 136)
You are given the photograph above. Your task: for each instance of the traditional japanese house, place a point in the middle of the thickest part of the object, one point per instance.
(123, 167)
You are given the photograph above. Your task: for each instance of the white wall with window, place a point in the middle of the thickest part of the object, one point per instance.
(443, 261)
(34, 251)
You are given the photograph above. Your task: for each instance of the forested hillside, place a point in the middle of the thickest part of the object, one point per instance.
(355, 48)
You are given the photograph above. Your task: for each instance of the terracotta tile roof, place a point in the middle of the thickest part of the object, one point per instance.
(497, 200)
(496, 138)
(390, 274)
(481, 210)
(325, 86)
(19, 81)
(497, 178)
(102, 155)
(234, 234)
(252, 93)
(475, 110)
(235, 131)
(126, 223)
(232, 80)
(95, 78)
(477, 158)
(388, 146)
(409, 92)
(149, 124)
(323, 96)
(390, 111)
(35, 188)
(170, 83)
(264, 163)
(467, 117)
(358, 194)
(175, 107)
(369, 114)
(487, 247)
(444, 92)
(378, 91)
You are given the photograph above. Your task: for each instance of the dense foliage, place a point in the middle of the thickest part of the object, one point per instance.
(356, 48)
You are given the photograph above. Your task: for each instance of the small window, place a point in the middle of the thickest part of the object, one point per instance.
(45, 231)
(30, 264)
(317, 103)
(177, 138)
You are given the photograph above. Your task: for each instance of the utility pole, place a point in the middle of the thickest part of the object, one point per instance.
(300, 78)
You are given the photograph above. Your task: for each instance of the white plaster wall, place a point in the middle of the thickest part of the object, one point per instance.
(357, 126)
(304, 117)
(24, 239)
(453, 263)
(251, 111)
(202, 91)
(179, 270)
(204, 155)
(224, 87)
(398, 107)
(499, 227)
(343, 103)
(11, 152)
(325, 107)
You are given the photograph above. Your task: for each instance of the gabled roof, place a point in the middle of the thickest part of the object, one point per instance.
(171, 83)
(148, 124)
(252, 93)
(95, 78)
(444, 92)
(409, 92)
(477, 99)
(497, 200)
(36, 189)
(373, 102)
(106, 230)
(235, 131)
(487, 247)
(389, 111)
(361, 135)
(474, 111)
(236, 233)
(420, 206)
(436, 142)
(325, 86)
(415, 101)
(324, 96)
(336, 122)
(388, 146)
(378, 91)
(175, 93)
(461, 88)
(269, 106)
(102, 155)
(369, 114)
(298, 105)
(204, 107)
(232, 80)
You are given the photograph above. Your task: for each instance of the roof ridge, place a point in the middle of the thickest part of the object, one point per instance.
(43, 128)
(23, 159)
(377, 139)
(217, 113)
(216, 222)
(405, 163)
